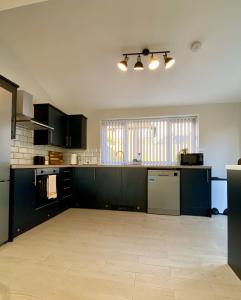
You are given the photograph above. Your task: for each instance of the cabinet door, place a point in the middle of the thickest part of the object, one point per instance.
(65, 187)
(108, 187)
(53, 117)
(77, 128)
(57, 120)
(84, 187)
(23, 200)
(134, 181)
(41, 114)
(196, 192)
(234, 220)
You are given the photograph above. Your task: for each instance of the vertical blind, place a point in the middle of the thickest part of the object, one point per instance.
(155, 140)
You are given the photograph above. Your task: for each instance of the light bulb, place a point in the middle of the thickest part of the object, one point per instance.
(169, 61)
(154, 63)
(123, 65)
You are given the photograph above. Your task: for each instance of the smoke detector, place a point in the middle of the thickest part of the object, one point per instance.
(195, 46)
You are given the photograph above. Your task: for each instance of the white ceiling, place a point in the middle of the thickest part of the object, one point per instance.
(8, 4)
(71, 48)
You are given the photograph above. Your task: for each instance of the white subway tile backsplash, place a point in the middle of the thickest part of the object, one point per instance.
(14, 149)
(14, 161)
(23, 150)
(17, 155)
(22, 138)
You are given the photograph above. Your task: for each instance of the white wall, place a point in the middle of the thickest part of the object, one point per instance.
(220, 129)
(17, 71)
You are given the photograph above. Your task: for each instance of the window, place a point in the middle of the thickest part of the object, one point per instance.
(158, 140)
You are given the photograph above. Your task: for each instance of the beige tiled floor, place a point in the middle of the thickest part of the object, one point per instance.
(108, 255)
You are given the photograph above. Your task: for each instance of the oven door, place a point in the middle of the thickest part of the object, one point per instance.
(41, 186)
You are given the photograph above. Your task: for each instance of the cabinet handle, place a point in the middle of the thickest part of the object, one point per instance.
(35, 177)
(70, 141)
(207, 176)
(67, 141)
(51, 137)
(94, 173)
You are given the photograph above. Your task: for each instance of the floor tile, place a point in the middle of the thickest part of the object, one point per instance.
(109, 255)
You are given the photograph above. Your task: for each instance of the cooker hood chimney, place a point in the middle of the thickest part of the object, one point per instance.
(25, 113)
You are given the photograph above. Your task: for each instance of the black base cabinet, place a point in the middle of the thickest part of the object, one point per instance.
(134, 183)
(196, 192)
(66, 187)
(234, 220)
(117, 188)
(23, 212)
(110, 188)
(23, 197)
(84, 187)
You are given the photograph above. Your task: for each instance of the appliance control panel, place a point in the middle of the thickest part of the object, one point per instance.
(47, 171)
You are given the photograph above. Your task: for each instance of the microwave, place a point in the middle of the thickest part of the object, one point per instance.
(192, 159)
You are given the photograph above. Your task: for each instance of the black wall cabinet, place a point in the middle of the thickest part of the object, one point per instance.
(70, 131)
(53, 117)
(196, 192)
(76, 137)
(234, 220)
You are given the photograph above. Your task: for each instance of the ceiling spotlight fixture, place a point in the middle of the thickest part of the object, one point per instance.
(169, 61)
(153, 63)
(138, 65)
(123, 65)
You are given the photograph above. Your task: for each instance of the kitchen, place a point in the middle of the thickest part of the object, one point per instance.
(102, 192)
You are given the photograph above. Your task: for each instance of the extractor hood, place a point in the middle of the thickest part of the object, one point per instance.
(25, 113)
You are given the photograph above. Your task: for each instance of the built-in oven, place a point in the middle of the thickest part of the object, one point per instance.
(42, 177)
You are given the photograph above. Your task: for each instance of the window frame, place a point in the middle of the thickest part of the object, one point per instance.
(125, 161)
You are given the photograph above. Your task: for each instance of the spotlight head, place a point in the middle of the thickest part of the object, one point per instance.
(123, 65)
(154, 63)
(169, 61)
(138, 65)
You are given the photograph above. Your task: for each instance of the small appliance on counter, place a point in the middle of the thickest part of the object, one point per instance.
(38, 160)
(192, 159)
(74, 159)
